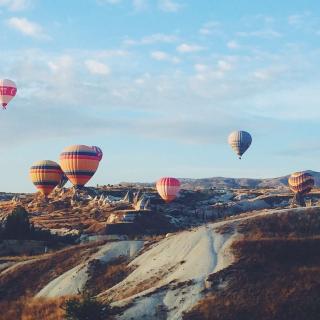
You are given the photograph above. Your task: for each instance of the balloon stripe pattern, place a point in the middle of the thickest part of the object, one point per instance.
(63, 181)
(45, 175)
(98, 151)
(240, 141)
(301, 182)
(8, 90)
(168, 188)
(79, 163)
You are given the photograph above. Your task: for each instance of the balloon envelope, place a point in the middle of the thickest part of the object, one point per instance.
(45, 175)
(301, 182)
(79, 163)
(98, 151)
(64, 179)
(8, 90)
(168, 188)
(240, 141)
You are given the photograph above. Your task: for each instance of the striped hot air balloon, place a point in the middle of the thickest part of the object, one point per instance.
(8, 90)
(301, 182)
(79, 163)
(168, 188)
(45, 175)
(240, 141)
(98, 151)
(63, 181)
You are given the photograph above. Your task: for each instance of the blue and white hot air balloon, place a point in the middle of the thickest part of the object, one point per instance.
(240, 141)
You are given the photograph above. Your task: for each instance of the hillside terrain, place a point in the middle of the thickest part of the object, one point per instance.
(211, 254)
(223, 182)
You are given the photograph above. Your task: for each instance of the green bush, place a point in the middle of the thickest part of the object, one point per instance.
(87, 308)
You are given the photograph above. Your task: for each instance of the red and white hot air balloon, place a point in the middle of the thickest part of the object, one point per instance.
(8, 90)
(168, 188)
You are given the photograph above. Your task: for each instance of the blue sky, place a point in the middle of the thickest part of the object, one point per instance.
(159, 84)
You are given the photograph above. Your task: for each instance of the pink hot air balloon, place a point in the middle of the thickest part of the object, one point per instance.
(98, 151)
(8, 90)
(168, 188)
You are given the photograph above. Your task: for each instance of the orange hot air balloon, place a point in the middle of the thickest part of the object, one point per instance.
(45, 175)
(168, 188)
(79, 163)
(301, 182)
(8, 90)
(98, 151)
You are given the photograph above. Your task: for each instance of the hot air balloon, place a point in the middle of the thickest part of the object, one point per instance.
(168, 188)
(98, 151)
(300, 183)
(45, 175)
(79, 163)
(240, 141)
(8, 90)
(63, 181)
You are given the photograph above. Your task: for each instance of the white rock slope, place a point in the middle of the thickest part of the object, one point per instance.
(169, 277)
(74, 280)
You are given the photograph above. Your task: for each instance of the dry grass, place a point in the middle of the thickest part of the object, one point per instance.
(33, 309)
(103, 276)
(29, 278)
(277, 273)
(291, 223)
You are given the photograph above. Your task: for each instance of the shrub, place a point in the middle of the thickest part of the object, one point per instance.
(17, 225)
(87, 308)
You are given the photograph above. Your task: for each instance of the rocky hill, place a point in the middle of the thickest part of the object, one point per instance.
(222, 182)
(152, 260)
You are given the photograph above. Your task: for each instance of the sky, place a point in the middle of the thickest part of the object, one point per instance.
(159, 85)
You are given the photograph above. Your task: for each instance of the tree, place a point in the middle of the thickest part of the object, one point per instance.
(87, 308)
(17, 225)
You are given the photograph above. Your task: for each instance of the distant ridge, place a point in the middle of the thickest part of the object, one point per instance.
(222, 182)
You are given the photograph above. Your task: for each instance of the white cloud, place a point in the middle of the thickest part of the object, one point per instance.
(27, 27)
(206, 73)
(200, 67)
(224, 65)
(269, 73)
(263, 33)
(111, 53)
(187, 48)
(169, 5)
(163, 56)
(298, 19)
(15, 5)
(140, 5)
(159, 55)
(233, 44)
(142, 80)
(152, 39)
(96, 67)
(209, 28)
(62, 69)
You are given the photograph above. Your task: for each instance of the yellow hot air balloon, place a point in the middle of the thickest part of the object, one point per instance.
(45, 175)
(79, 163)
